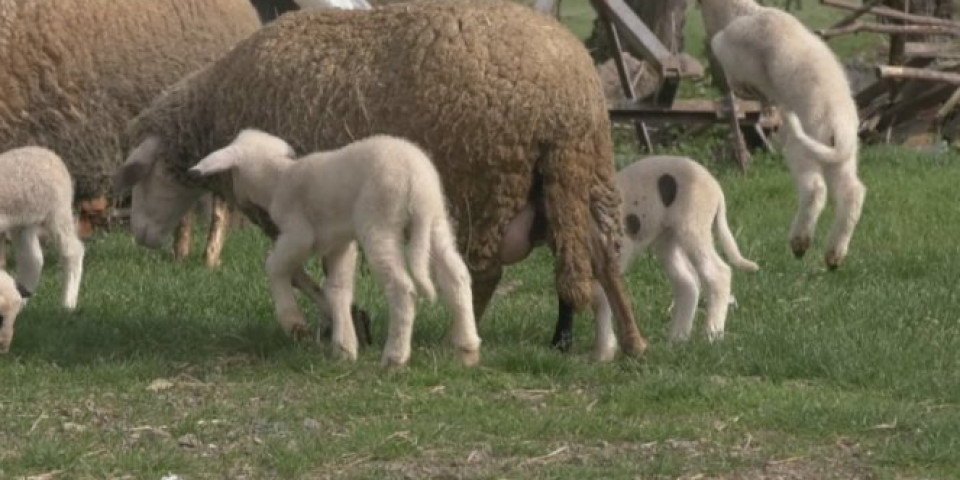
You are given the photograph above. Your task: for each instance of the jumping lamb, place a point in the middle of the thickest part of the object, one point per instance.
(75, 72)
(503, 99)
(36, 192)
(768, 50)
(13, 296)
(374, 191)
(672, 204)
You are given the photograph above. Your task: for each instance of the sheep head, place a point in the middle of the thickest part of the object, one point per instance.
(159, 200)
(13, 296)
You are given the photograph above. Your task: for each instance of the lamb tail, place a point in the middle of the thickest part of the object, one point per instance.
(728, 243)
(842, 151)
(419, 250)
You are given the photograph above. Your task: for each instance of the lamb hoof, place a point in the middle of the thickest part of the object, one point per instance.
(392, 364)
(342, 353)
(833, 260)
(603, 355)
(714, 337)
(4, 347)
(361, 325)
(469, 358)
(799, 245)
(634, 347)
(300, 333)
(562, 341)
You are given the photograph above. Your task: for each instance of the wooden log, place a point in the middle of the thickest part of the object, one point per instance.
(887, 12)
(855, 15)
(932, 50)
(890, 29)
(893, 71)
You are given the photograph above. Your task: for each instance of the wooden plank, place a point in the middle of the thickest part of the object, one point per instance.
(638, 36)
(893, 71)
(890, 29)
(932, 50)
(887, 12)
(700, 111)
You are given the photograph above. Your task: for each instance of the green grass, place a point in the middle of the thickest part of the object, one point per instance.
(846, 374)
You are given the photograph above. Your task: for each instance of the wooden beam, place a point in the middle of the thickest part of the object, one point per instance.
(890, 29)
(893, 13)
(893, 71)
(638, 36)
(932, 50)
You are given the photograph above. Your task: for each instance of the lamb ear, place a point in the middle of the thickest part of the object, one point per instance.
(138, 163)
(218, 161)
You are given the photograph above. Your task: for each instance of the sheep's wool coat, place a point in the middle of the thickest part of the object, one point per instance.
(74, 72)
(496, 93)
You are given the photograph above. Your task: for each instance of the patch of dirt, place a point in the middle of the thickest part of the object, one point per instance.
(842, 461)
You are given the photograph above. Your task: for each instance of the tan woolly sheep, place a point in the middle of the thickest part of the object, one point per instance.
(770, 51)
(74, 72)
(505, 101)
(376, 192)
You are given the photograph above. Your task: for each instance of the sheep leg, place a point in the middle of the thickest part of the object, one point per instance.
(848, 194)
(219, 220)
(291, 249)
(183, 236)
(454, 284)
(8, 314)
(29, 256)
(563, 334)
(71, 255)
(605, 340)
(341, 266)
(716, 276)
(3, 249)
(484, 283)
(385, 256)
(607, 272)
(811, 193)
(686, 291)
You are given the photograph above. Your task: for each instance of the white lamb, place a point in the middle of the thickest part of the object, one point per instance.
(768, 50)
(36, 192)
(13, 297)
(673, 204)
(376, 191)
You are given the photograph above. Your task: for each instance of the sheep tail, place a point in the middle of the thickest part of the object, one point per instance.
(728, 243)
(419, 251)
(837, 154)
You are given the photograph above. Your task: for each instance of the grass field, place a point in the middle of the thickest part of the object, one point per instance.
(173, 369)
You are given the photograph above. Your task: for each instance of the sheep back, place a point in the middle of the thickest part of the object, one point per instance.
(74, 72)
(496, 93)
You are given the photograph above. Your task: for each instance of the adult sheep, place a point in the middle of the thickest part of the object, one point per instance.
(73, 73)
(504, 99)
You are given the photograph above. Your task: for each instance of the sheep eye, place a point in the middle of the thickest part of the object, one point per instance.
(1, 320)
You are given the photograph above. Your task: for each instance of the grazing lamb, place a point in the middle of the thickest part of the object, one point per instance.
(36, 192)
(770, 51)
(504, 100)
(13, 296)
(672, 204)
(372, 191)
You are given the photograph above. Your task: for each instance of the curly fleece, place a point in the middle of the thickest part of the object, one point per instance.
(496, 93)
(74, 72)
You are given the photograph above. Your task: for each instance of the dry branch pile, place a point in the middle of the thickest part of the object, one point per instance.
(916, 91)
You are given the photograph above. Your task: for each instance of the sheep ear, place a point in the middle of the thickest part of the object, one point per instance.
(218, 161)
(138, 164)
